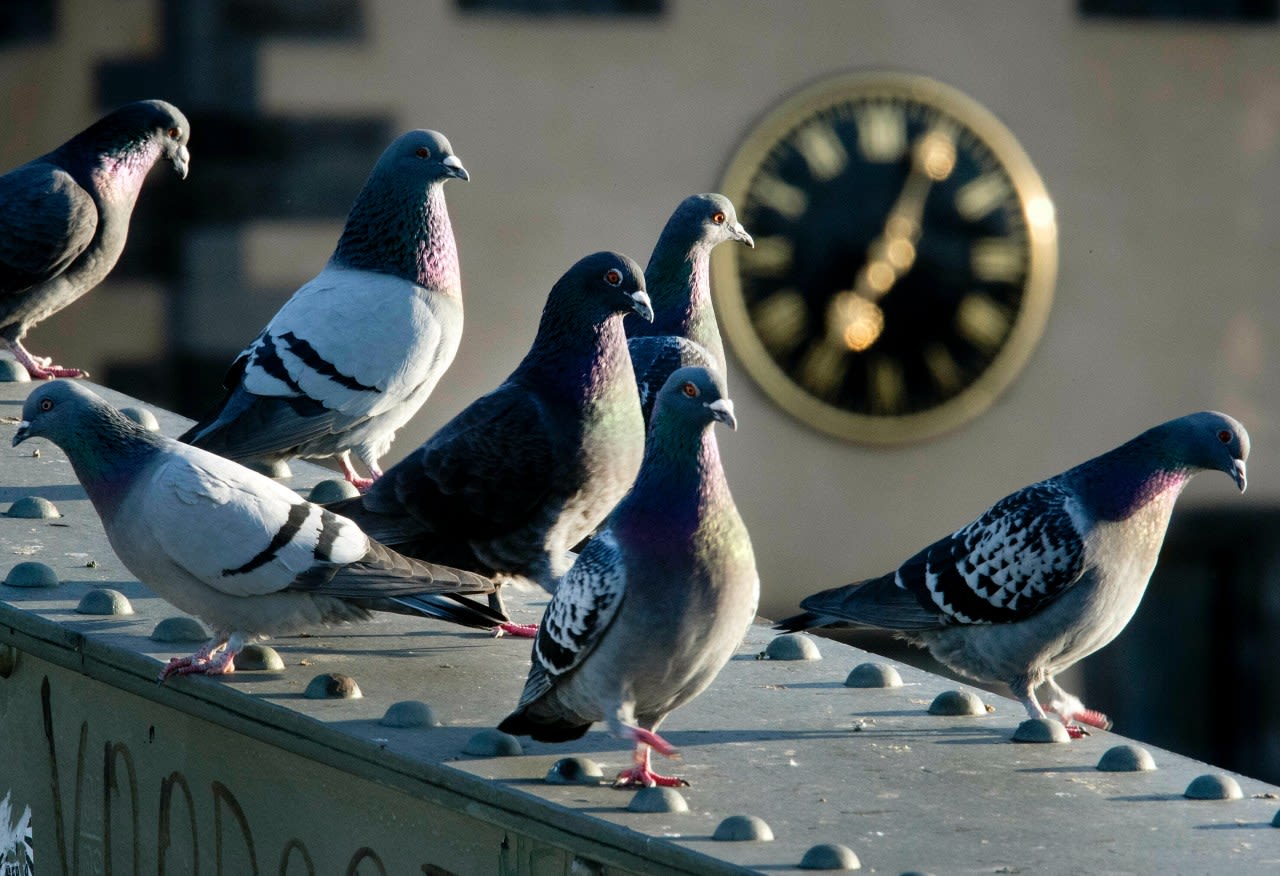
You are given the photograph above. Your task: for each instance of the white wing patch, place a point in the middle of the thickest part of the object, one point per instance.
(358, 342)
(239, 532)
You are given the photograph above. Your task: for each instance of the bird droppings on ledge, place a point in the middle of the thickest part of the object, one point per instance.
(575, 771)
(1041, 730)
(1213, 786)
(409, 713)
(792, 646)
(830, 856)
(31, 574)
(957, 703)
(264, 658)
(33, 508)
(872, 675)
(743, 829)
(179, 629)
(332, 686)
(493, 743)
(654, 800)
(1126, 759)
(105, 601)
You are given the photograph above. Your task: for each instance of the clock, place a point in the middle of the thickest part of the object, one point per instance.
(904, 261)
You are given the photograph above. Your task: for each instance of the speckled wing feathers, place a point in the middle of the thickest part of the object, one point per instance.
(585, 604)
(1021, 554)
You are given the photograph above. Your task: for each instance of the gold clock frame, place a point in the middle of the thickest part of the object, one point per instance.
(1038, 284)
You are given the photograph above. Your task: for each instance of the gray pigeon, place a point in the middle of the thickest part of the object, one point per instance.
(229, 545)
(507, 486)
(356, 351)
(684, 329)
(658, 601)
(1047, 575)
(64, 217)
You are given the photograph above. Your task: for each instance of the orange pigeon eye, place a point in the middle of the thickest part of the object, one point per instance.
(690, 390)
(423, 152)
(46, 404)
(718, 217)
(613, 276)
(1224, 436)
(174, 133)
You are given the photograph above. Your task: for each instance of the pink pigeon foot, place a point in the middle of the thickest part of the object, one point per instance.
(520, 631)
(353, 477)
(215, 658)
(42, 367)
(639, 775)
(1072, 718)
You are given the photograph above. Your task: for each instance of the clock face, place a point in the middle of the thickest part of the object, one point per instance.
(904, 260)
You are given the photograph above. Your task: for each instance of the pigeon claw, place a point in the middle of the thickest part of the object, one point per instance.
(519, 631)
(643, 777)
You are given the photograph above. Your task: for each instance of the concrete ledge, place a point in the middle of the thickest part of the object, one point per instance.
(247, 775)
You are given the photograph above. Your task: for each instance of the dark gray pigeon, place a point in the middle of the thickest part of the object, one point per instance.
(356, 351)
(226, 544)
(658, 601)
(1047, 575)
(507, 486)
(64, 217)
(684, 329)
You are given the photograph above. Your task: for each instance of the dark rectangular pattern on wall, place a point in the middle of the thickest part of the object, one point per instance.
(26, 21)
(563, 7)
(1238, 11)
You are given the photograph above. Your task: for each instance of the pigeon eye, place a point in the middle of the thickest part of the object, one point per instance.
(718, 217)
(613, 277)
(1224, 436)
(46, 404)
(174, 133)
(690, 390)
(423, 152)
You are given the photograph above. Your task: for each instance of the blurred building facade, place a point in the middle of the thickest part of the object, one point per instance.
(1156, 127)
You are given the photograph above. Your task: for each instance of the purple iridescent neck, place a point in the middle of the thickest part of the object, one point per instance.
(118, 176)
(1117, 484)
(406, 237)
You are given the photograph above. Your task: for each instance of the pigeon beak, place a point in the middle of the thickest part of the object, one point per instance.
(722, 412)
(1238, 474)
(740, 233)
(181, 161)
(454, 165)
(640, 304)
(23, 433)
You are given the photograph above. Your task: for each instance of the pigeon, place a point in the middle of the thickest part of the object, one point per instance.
(1048, 574)
(684, 330)
(507, 486)
(64, 217)
(231, 546)
(658, 601)
(356, 351)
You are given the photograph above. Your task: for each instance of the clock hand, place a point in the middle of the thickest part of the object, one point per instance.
(853, 316)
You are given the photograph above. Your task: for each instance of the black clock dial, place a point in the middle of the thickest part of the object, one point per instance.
(903, 262)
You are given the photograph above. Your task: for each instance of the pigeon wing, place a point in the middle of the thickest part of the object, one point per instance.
(47, 221)
(1023, 553)
(583, 607)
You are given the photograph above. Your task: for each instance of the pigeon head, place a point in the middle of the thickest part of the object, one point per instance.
(59, 410)
(399, 223)
(1209, 441)
(695, 394)
(419, 158)
(702, 221)
(599, 286)
(131, 139)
